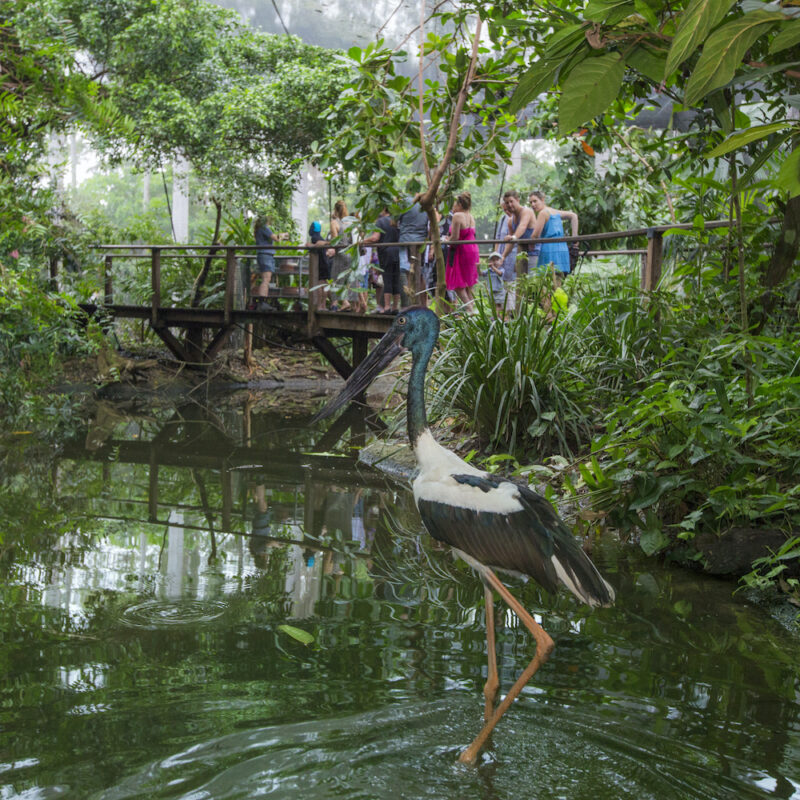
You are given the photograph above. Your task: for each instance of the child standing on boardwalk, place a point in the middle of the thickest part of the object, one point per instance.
(496, 283)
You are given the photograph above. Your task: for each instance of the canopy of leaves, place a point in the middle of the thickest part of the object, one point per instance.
(699, 54)
(384, 135)
(243, 107)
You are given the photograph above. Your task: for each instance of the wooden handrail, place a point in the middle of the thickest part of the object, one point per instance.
(585, 237)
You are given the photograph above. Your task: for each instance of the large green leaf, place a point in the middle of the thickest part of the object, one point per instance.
(788, 36)
(608, 11)
(537, 79)
(741, 138)
(724, 50)
(564, 41)
(589, 90)
(789, 176)
(698, 19)
(647, 61)
(766, 153)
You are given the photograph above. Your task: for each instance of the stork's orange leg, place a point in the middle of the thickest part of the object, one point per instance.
(492, 681)
(544, 646)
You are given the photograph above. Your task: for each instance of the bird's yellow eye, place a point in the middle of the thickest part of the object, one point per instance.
(401, 320)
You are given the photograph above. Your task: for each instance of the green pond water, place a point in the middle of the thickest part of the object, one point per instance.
(225, 604)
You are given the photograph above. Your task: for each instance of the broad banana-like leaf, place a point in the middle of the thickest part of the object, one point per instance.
(741, 138)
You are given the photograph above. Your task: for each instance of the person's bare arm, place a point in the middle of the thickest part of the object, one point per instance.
(541, 221)
(456, 225)
(573, 220)
(525, 222)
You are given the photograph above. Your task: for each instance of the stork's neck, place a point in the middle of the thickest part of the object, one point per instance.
(417, 420)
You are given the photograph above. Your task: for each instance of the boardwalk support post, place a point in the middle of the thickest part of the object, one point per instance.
(108, 290)
(653, 259)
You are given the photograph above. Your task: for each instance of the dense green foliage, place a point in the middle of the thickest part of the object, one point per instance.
(672, 421)
(145, 83)
(198, 83)
(678, 406)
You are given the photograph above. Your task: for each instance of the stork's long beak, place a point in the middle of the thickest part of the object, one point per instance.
(386, 351)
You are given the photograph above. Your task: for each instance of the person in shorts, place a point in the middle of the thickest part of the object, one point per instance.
(265, 257)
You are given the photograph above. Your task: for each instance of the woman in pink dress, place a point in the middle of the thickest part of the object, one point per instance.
(462, 268)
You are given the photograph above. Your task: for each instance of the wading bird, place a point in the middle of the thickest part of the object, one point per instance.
(492, 523)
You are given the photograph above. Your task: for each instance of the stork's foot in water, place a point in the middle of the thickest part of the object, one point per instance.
(544, 646)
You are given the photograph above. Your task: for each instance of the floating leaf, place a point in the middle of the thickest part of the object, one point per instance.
(304, 637)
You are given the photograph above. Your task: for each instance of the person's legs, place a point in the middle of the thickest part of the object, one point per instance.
(470, 301)
(266, 264)
(391, 286)
(262, 290)
(406, 293)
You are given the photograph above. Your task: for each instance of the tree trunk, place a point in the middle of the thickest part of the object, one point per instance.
(427, 199)
(194, 336)
(783, 258)
(787, 246)
(441, 285)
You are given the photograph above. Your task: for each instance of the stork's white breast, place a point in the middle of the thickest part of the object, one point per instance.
(435, 481)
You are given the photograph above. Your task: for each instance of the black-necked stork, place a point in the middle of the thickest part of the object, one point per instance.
(492, 523)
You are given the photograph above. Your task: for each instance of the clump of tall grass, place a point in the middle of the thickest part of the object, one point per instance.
(515, 378)
(540, 387)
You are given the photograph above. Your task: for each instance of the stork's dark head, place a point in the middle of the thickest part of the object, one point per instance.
(415, 329)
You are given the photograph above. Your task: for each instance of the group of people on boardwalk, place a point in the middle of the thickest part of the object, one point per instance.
(351, 272)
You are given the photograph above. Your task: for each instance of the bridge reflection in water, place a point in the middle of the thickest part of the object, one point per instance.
(201, 499)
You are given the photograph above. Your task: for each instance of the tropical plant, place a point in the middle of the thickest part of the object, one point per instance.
(514, 379)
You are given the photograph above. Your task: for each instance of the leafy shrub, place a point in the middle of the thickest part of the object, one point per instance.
(516, 380)
(709, 441)
(536, 387)
(38, 330)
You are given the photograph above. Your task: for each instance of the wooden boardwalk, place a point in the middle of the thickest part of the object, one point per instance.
(296, 284)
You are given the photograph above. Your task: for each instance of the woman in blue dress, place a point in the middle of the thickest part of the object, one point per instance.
(549, 226)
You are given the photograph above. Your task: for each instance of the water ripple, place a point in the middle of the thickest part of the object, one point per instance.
(155, 614)
(409, 751)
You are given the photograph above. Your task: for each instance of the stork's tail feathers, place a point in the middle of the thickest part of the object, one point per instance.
(580, 576)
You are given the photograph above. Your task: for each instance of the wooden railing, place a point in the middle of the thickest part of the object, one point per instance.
(300, 261)
(299, 265)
